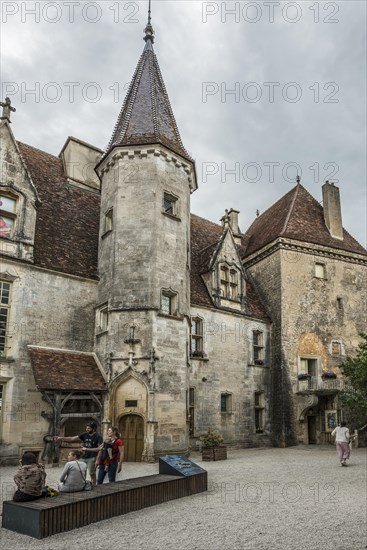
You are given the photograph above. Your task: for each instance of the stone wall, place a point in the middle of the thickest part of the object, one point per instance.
(229, 369)
(47, 309)
(267, 277)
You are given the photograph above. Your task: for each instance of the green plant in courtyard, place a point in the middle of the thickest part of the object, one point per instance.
(211, 439)
(355, 396)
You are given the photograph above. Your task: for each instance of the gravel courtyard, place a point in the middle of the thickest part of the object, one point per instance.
(276, 499)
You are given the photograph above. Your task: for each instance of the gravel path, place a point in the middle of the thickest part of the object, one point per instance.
(276, 499)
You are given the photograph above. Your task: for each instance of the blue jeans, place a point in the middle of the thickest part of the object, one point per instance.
(112, 471)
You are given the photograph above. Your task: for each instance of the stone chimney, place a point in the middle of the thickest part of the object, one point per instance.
(231, 218)
(332, 210)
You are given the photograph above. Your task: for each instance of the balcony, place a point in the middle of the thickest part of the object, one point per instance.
(321, 385)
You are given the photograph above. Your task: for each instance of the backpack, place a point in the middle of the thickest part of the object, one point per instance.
(104, 453)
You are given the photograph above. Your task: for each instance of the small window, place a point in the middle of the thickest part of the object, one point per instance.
(5, 289)
(190, 409)
(7, 215)
(102, 319)
(226, 403)
(131, 403)
(233, 284)
(336, 348)
(168, 302)
(320, 271)
(339, 302)
(258, 347)
(108, 221)
(2, 392)
(259, 411)
(196, 337)
(224, 282)
(170, 204)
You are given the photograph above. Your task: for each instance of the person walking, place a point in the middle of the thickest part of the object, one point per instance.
(342, 439)
(29, 479)
(74, 473)
(112, 465)
(92, 440)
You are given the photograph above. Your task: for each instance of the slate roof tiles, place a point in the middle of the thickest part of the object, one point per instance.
(146, 116)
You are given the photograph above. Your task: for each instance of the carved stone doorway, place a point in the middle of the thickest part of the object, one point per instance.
(131, 427)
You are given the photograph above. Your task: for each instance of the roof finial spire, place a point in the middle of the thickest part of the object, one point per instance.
(149, 32)
(7, 109)
(298, 179)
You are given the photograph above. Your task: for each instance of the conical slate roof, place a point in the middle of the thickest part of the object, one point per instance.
(297, 215)
(146, 116)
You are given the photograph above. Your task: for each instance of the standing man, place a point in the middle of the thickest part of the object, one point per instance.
(91, 443)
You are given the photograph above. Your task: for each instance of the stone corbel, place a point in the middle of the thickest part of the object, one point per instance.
(306, 402)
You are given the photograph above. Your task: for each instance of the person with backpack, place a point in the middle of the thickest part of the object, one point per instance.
(110, 457)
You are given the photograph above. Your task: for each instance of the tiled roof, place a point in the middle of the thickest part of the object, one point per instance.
(297, 215)
(146, 116)
(205, 237)
(67, 226)
(65, 370)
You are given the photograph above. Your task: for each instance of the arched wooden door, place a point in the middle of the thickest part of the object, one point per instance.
(131, 429)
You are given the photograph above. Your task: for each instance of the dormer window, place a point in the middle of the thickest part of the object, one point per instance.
(229, 283)
(8, 206)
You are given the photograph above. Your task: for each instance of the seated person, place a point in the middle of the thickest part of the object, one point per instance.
(74, 474)
(29, 479)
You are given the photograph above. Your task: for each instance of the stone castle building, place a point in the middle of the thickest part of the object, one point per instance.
(119, 305)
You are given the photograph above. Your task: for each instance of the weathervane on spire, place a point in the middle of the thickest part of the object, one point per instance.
(149, 32)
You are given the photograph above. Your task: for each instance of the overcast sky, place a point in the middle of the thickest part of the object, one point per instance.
(260, 90)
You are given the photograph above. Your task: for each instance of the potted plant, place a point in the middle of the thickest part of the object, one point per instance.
(328, 375)
(304, 376)
(212, 448)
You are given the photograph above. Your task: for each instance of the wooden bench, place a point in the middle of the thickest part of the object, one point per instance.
(48, 516)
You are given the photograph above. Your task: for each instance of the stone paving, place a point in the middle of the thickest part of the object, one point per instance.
(298, 498)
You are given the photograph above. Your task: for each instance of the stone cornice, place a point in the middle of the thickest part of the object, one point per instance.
(305, 248)
(146, 152)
